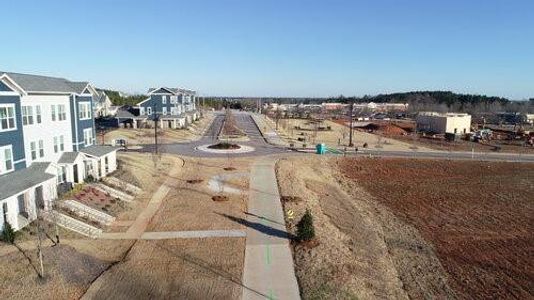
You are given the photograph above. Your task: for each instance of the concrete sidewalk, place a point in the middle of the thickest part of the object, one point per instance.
(268, 271)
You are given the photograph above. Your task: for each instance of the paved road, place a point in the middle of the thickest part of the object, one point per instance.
(268, 271)
(243, 121)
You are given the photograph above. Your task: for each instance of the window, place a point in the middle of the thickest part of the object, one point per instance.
(141, 111)
(41, 148)
(173, 111)
(62, 114)
(164, 110)
(53, 109)
(6, 159)
(7, 117)
(38, 114)
(173, 99)
(27, 115)
(84, 110)
(61, 143)
(56, 144)
(149, 110)
(88, 136)
(164, 99)
(61, 175)
(33, 149)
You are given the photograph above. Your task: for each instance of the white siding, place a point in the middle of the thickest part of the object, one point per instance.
(48, 128)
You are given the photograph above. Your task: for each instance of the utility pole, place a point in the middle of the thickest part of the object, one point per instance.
(351, 144)
(155, 129)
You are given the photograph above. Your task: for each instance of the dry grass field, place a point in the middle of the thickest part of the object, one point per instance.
(208, 268)
(338, 136)
(412, 228)
(165, 136)
(177, 269)
(189, 205)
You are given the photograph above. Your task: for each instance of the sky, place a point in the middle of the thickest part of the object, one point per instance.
(276, 48)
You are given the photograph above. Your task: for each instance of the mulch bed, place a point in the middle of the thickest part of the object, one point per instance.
(219, 198)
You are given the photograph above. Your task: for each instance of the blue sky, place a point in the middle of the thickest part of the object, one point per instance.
(277, 48)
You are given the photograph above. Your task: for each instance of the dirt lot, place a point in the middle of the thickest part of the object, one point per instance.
(477, 216)
(412, 229)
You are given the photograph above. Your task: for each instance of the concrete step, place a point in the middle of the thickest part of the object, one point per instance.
(83, 210)
(113, 192)
(123, 185)
(72, 224)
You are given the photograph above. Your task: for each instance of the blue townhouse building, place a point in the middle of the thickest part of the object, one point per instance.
(47, 143)
(174, 107)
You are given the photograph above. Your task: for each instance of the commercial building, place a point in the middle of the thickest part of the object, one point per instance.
(433, 122)
(47, 143)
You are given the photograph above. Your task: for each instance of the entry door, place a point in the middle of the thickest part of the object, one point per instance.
(39, 200)
(75, 172)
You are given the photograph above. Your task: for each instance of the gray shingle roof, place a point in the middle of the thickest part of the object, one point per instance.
(38, 83)
(98, 151)
(174, 90)
(21, 180)
(68, 157)
(124, 114)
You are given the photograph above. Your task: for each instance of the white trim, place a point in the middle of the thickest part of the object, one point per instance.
(3, 159)
(143, 101)
(161, 88)
(12, 84)
(75, 106)
(7, 93)
(89, 110)
(19, 161)
(14, 116)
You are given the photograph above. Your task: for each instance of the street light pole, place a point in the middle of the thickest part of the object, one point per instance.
(351, 125)
(155, 129)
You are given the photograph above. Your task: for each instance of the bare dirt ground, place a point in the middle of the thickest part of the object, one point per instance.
(165, 136)
(476, 215)
(177, 269)
(412, 228)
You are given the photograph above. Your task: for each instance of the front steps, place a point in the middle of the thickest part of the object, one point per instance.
(72, 224)
(85, 211)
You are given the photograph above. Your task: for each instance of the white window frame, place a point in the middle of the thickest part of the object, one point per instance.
(141, 111)
(84, 110)
(38, 114)
(7, 118)
(164, 99)
(61, 143)
(149, 110)
(88, 137)
(56, 144)
(164, 110)
(33, 150)
(41, 148)
(174, 99)
(3, 168)
(53, 111)
(62, 112)
(27, 115)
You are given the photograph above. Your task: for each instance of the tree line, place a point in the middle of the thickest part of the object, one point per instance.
(117, 99)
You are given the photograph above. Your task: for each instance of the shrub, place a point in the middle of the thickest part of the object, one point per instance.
(305, 230)
(90, 179)
(8, 234)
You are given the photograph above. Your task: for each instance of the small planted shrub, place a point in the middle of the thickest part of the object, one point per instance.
(305, 230)
(8, 234)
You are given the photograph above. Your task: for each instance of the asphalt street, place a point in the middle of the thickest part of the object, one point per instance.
(255, 139)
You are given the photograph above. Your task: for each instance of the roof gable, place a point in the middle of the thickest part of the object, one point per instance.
(5, 88)
(161, 90)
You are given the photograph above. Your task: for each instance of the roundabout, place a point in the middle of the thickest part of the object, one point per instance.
(234, 150)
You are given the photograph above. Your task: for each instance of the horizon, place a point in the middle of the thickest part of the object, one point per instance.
(277, 49)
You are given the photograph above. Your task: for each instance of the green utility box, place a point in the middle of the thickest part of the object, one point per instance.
(321, 149)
